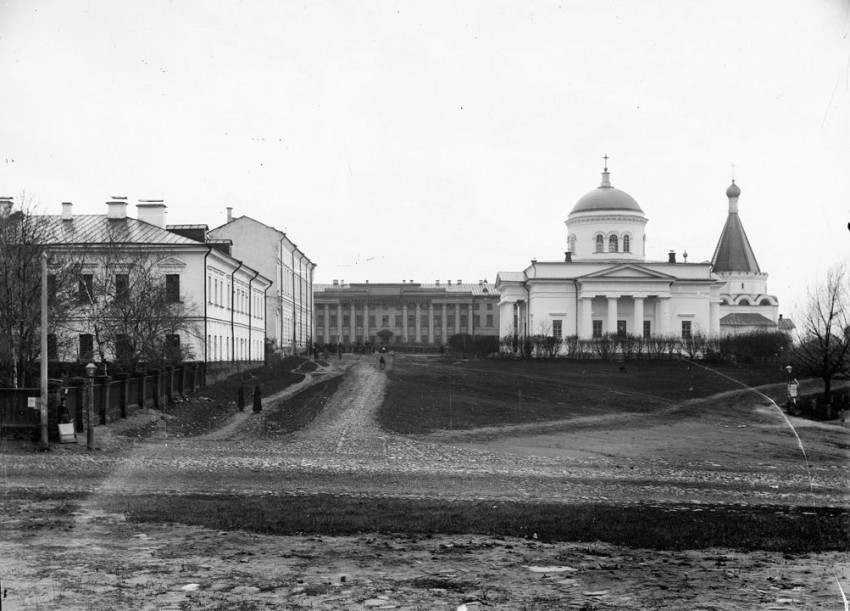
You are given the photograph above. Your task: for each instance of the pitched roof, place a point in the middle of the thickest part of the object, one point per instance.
(98, 229)
(733, 252)
(744, 319)
(477, 289)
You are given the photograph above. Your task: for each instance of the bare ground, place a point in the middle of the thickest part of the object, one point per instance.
(69, 554)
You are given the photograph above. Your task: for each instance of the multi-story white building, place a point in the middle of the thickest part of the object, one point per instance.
(290, 300)
(605, 285)
(224, 299)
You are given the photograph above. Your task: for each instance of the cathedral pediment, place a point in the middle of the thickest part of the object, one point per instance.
(627, 271)
(171, 262)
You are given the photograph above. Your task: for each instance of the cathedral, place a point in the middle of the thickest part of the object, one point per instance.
(605, 285)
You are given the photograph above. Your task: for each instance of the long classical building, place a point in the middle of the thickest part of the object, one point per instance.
(289, 302)
(224, 297)
(404, 314)
(605, 285)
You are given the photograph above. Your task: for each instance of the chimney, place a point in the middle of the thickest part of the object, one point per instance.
(151, 211)
(5, 207)
(438, 283)
(449, 282)
(404, 281)
(336, 282)
(671, 256)
(410, 281)
(460, 281)
(568, 257)
(229, 213)
(116, 208)
(685, 256)
(67, 211)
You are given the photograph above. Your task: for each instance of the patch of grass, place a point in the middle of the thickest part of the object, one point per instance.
(673, 527)
(211, 407)
(439, 394)
(298, 411)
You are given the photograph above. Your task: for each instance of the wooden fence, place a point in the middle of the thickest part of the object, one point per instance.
(114, 398)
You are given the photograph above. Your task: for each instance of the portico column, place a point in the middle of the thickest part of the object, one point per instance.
(353, 336)
(457, 318)
(714, 318)
(431, 322)
(338, 322)
(418, 337)
(586, 326)
(638, 323)
(469, 314)
(445, 323)
(404, 322)
(365, 322)
(612, 315)
(327, 323)
(664, 316)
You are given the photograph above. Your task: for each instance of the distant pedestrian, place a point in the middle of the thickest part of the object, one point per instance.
(383, 363)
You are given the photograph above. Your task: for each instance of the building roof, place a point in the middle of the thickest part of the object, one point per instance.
(743, 319)
(606, 197)
(786, 324)
(733, 252)
(98, 229)
(477, 289)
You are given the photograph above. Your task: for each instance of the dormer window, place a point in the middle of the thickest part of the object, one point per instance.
(600, 243)
(612, 244)
(625, 243)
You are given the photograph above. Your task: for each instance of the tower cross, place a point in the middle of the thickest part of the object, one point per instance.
(606, 158)
(733, 172)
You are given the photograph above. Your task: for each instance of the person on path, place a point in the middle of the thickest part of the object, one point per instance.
(383, 363)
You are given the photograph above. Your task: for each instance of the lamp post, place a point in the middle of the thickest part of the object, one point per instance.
(90, 369)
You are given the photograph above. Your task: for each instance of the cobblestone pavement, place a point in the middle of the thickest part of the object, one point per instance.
(345, 452)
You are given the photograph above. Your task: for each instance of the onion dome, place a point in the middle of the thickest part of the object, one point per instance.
(733, 190)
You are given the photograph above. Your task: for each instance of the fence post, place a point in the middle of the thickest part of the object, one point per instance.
(104, 398)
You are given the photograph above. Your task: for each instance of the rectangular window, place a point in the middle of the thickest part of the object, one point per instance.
(597, 328)
(346, 321)
(411, 320)
(398, 320)
(123, 348)
(86, 290)
(51, 286)
(556, 328)
(621, 328)
(464, 322)
(647, 328)
(371, 321)
(686, 329)
(489, 307)
(438, 321)
(358, 321)
(489, 320)
(476, 306)
(172, 288)
(320, 320)
(423, 321)
(333, 321)
(122, 287)
(385, 320)
(450, 321)
(86, 347)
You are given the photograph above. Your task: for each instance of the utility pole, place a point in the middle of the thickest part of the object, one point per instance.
(43, 402)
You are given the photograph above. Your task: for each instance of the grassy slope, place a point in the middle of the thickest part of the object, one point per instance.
(429, 394)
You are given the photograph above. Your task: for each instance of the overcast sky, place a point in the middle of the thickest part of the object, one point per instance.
(424, 140)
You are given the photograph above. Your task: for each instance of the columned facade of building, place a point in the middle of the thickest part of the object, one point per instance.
(403, 314)
(605, 285)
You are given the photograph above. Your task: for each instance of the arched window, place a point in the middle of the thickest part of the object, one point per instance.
(572, 243)
(744, 302)
(612, 244)
(600, 243)
(626, 243)
(764, 302)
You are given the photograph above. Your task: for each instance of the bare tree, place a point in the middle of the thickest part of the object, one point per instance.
(24, 235)
(823, 347)
(125, 299)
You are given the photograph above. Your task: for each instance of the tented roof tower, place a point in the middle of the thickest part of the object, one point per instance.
(733, 252)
